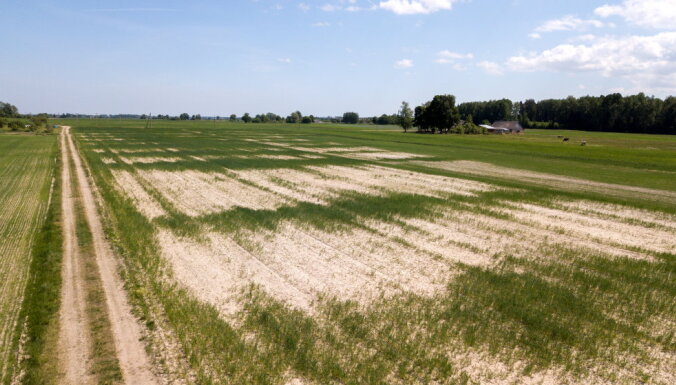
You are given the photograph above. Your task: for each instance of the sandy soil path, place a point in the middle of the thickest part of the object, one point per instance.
(74, 332)
(134, 362)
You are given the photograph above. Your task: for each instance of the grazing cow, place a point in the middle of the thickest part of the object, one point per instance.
(566, 139)
(583, 143)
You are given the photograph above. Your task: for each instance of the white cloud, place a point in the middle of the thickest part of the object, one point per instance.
(321, 24)
(568, 23)
(303, 7)
(491, 67)
(449, 57)
(658, 14)
(647, 61)
(403, 64)
(534, 35)
(285, 60)
(329, 8)
(412, 7)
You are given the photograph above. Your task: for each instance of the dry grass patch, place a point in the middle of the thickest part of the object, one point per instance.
(550, 180)
(382, 155)
(150, 159)
(606, 231)
(296, 265)
(268, 156)
(619, 212)
(196, 193)
(136, 151)
(374, 178)
(321, 183)
(145, 203)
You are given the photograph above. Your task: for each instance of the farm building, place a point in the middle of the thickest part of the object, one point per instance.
(495, 130)
(513, 126)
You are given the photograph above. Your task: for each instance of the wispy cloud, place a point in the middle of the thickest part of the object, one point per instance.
(403, 64)
(111, 10)
(491, 68)
(449, 57)
(414, 7)
(568, 23)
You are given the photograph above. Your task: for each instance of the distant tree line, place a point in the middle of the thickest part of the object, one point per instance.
(12, 120)
(610, 113)
(487, 112)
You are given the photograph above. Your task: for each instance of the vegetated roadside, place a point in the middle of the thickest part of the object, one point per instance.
(550, 307)
(115, 353)
(27, 167)
(86, 347)
(38, 361)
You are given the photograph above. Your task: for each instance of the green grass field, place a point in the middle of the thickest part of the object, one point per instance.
(27, 165)
(361, 255)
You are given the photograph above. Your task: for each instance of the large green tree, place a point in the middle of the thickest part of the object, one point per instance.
(295, 117)
(442, 114)
(405, 116)
(8, 110)
(350, 118)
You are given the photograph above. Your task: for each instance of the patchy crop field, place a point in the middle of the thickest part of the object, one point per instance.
(279, 254)
(26, 170)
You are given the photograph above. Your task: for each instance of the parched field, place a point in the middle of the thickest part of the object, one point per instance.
(326, 254)
(26, 171)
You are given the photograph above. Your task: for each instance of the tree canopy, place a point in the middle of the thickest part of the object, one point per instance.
(405, 116)
(8, 110)
(438, 115)
(612, 113)
(350, 118)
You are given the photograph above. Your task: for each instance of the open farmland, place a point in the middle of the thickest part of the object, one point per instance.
(325, 254)
(26, 170)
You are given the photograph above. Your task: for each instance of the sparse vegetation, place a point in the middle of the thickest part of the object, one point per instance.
(536, 304)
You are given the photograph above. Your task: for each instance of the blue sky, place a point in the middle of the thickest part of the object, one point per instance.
(326, 57)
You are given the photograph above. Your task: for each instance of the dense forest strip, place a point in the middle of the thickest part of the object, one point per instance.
(610, 113)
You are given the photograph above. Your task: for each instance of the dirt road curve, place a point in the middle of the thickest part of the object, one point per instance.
(131, 353)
